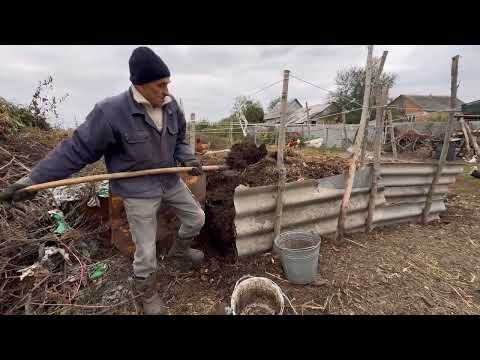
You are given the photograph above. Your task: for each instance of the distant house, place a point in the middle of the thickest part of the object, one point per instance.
(314, 114)
(418, 108)
(471, 108)
(274, 116)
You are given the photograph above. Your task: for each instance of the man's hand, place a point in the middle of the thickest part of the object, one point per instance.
(11, 193)
(197, 167)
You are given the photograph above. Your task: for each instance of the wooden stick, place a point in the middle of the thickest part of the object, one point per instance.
(392, 135)
(356, 243)
(280, 150)
(381, 95)
(473, 139)
(18, 162)
(344, 122)
(120, 175)
(376, 78)
(465, 135)
(231, 131)
(364, 144)
(192, 131)
(308, 120)
(446, 142)
(356, 151)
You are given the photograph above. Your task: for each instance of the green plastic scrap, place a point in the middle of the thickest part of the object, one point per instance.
(99, 270)
(62, 226)
(103, 191)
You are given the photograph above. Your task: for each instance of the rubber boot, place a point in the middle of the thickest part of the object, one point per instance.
(151, 300)
(184, 257)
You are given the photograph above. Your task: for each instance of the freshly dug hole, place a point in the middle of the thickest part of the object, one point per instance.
(252, 167)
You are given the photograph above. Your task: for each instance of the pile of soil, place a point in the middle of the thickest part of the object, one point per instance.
(220, 211)
(245, 153)
(253, 166)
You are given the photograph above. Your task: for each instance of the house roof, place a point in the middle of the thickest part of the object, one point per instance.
(275, 112)
(433, 103)
(471, 107)
(300, 115)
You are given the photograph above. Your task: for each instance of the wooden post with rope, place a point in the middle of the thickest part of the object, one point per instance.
(376, 81)
(446, 140)
(280, 151)
(381, 96)
(356, 151)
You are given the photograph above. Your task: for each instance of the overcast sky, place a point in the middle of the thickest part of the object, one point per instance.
(208, 78)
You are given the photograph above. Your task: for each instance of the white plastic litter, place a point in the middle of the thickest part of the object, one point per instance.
(316, 143)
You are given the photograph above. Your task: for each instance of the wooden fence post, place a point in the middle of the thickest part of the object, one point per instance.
(192, 131)
(381, 95)
(364, 144)
(356, 151)
(308, 121)
(345, 136)
(465, 135)
(473, 139)
(392, 134)
(280, 150)
(231, 131)
(448, 131)
(376, 79)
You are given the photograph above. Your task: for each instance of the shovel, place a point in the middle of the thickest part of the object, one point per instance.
(120, 175)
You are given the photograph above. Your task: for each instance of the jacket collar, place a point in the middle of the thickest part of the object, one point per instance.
(138, 98)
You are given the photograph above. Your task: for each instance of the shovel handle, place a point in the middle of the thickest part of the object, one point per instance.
(120, 175)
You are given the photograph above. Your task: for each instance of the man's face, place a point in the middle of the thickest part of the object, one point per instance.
(155, 91)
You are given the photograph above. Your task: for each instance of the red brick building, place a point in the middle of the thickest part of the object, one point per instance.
(418, 108)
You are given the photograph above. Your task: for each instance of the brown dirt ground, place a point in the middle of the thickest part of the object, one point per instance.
(404, 269)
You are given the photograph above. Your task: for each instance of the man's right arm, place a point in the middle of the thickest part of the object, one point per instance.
(87, 145)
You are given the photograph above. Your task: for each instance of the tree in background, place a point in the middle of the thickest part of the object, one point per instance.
(251, 109)
(350, 86)
(273, 103)
(44, 106)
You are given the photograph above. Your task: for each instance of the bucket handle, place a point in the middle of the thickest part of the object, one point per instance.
(228, 309)
(289, 302)
(244, 277)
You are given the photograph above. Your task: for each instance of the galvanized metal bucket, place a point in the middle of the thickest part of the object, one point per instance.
(299, 252)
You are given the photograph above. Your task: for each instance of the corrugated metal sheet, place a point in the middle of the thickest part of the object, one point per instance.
(314, 205)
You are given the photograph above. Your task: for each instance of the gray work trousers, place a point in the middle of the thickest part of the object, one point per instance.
(142, 219)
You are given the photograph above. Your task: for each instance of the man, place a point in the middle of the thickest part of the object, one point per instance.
(142, 128)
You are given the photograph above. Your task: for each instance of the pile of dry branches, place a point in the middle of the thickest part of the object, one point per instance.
(28, 283)
(411, 139)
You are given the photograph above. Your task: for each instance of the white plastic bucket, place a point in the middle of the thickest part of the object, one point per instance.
(256, 296)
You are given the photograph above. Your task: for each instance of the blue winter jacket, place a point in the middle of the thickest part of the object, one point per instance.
(120, 129)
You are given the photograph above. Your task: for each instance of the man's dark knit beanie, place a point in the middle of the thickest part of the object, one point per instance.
(146, 66)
